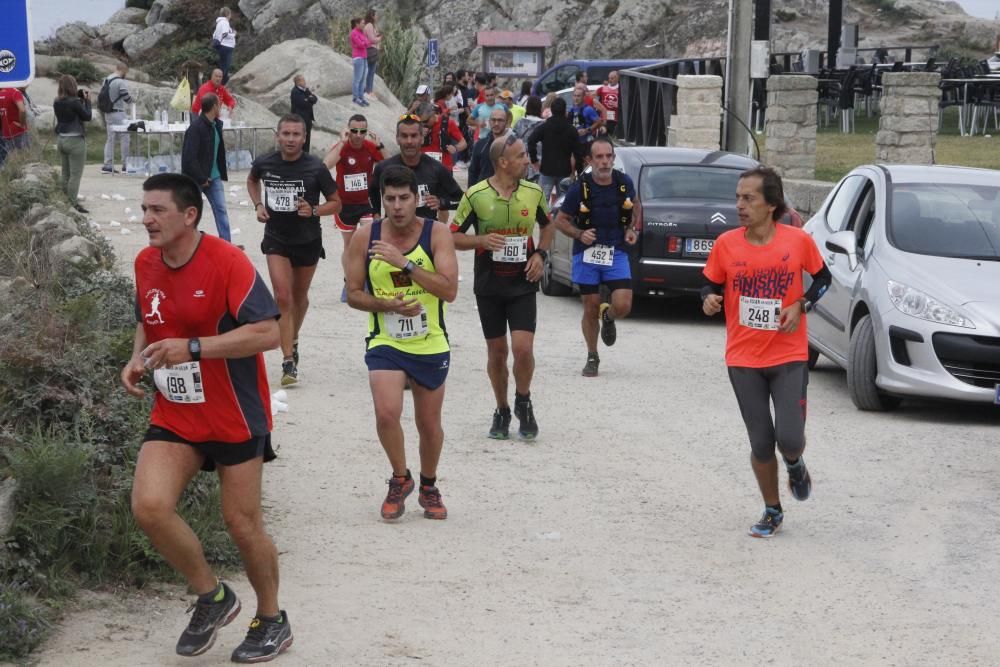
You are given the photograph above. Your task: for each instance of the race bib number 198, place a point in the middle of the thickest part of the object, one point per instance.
(180, 383)
(760, 313)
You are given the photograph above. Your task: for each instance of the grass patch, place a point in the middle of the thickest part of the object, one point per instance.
(83, 71)
(69, 435)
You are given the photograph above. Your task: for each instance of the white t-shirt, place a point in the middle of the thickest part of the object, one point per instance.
(224, 32)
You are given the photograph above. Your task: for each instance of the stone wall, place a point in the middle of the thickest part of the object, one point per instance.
(907, 129)
(790, 126)
(697, 119)
(806, 195)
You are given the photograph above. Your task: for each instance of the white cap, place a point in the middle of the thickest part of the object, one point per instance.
(423, 89)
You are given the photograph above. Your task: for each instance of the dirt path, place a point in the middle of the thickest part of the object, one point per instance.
(618, 537)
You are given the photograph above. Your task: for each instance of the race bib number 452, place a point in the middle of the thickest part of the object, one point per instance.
(760, 313)
(601, 255)
(181, 383)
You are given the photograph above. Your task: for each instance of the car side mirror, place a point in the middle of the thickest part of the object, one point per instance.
(845, 243)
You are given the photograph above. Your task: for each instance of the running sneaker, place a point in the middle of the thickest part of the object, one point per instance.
(208, 617)
(393, 506)
(265, 640)
(108, 169)
(289, 373)
(501, 424)
(768, 524)
(295, 355)
(528, 427)
(799, 481)
(590, 368)
(609, 332)
(430, 500)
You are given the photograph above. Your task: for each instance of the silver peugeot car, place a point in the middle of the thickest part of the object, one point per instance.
(914, 305)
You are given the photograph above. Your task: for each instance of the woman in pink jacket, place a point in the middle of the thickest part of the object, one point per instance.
(359, 55)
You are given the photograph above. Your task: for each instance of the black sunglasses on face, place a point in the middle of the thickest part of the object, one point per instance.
(358, 130)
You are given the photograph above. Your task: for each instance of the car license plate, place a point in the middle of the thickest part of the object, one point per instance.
(698, 246)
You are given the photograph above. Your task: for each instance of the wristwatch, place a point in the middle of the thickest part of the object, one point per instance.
(194, 348)
(806, 305)
(543, 253)
(409, 267)
(315, 211)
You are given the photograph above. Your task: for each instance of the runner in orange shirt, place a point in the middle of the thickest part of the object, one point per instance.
(755, 273)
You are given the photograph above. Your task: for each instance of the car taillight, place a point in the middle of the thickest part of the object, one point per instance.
(673, 244)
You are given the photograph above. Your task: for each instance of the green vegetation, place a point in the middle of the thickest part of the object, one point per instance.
(399, 60)
(784, 16)
(69, 435)
(83, 71)
(167, 62)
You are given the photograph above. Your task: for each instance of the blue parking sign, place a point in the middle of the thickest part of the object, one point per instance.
(433, 58)
(17, 50)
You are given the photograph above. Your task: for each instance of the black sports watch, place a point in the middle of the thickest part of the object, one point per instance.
(543, 253)
(194, 347)
(409, 267)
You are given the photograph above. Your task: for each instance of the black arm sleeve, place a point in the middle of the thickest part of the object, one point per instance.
(710, 288)
(374, 192)
(821, 281)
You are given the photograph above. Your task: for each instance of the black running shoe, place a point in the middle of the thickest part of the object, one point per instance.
(500, 430)
(590, 368)
(609, 332)
(265, 640)
(528, 427)
(208, 617)
(289, 373)
(799, 481)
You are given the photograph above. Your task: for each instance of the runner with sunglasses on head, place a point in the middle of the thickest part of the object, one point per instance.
(436, 187)
(354, 157)
(503, 210)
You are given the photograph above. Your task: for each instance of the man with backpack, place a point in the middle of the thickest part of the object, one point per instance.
(585, 120)
(111, 102)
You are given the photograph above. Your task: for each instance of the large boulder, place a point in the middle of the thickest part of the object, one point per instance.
(142, 42)
(51, 226)
(264, 13)
(113, 34)
(74, 250)
(78, 35)
(134, 15)
(163, 11)
(268, 78)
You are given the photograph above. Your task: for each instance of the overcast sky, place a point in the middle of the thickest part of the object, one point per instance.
(47, 15)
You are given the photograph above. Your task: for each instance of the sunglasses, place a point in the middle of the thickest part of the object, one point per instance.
(410, 116)
(359, 130)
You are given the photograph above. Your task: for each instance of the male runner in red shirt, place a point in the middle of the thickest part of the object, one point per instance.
(205, 317)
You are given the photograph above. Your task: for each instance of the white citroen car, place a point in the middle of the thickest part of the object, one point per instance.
(914, 305)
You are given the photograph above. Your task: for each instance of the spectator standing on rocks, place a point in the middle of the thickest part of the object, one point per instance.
(374, 40)
(359, 57)
(224, 41)
(203, 159)
(303, 101)
(14, 121)
(217, 88)
(114, 114)
(558, 138)
(72, 109)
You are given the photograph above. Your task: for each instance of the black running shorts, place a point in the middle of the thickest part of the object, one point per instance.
(497, 312)
(218, 453)
(299, 254)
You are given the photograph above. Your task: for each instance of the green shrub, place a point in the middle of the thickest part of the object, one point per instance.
(166, 62)
(23, 623)
(399, 57)
(83, 71)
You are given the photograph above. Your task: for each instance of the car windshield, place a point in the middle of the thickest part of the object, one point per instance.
(687, 182)
(946, 220)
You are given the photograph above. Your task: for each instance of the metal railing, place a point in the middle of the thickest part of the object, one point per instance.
(648, 97)
(791, 61)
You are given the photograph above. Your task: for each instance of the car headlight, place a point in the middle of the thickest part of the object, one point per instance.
(915, 303)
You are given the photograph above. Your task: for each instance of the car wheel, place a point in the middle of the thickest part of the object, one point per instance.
(551, 286)
(862, 367)
(813, 357)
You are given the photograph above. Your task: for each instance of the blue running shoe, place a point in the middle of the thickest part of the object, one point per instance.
(799, 481)
(768, 524)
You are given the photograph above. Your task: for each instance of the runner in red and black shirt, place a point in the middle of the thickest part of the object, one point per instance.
(607, 95)
(354, 157)
(205, 317)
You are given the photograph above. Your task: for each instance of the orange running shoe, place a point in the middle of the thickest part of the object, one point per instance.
(430, 500)
(399, 489)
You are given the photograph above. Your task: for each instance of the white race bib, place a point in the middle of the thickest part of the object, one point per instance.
(355, 182)
(180, 383)
(514, 250)
(437, 156)
(423, 192)
(611, 114)
(759, 313)
(281, 200)
(602, 255)
(402, 327)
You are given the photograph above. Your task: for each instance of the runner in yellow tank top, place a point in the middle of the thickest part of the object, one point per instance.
(409, 267)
